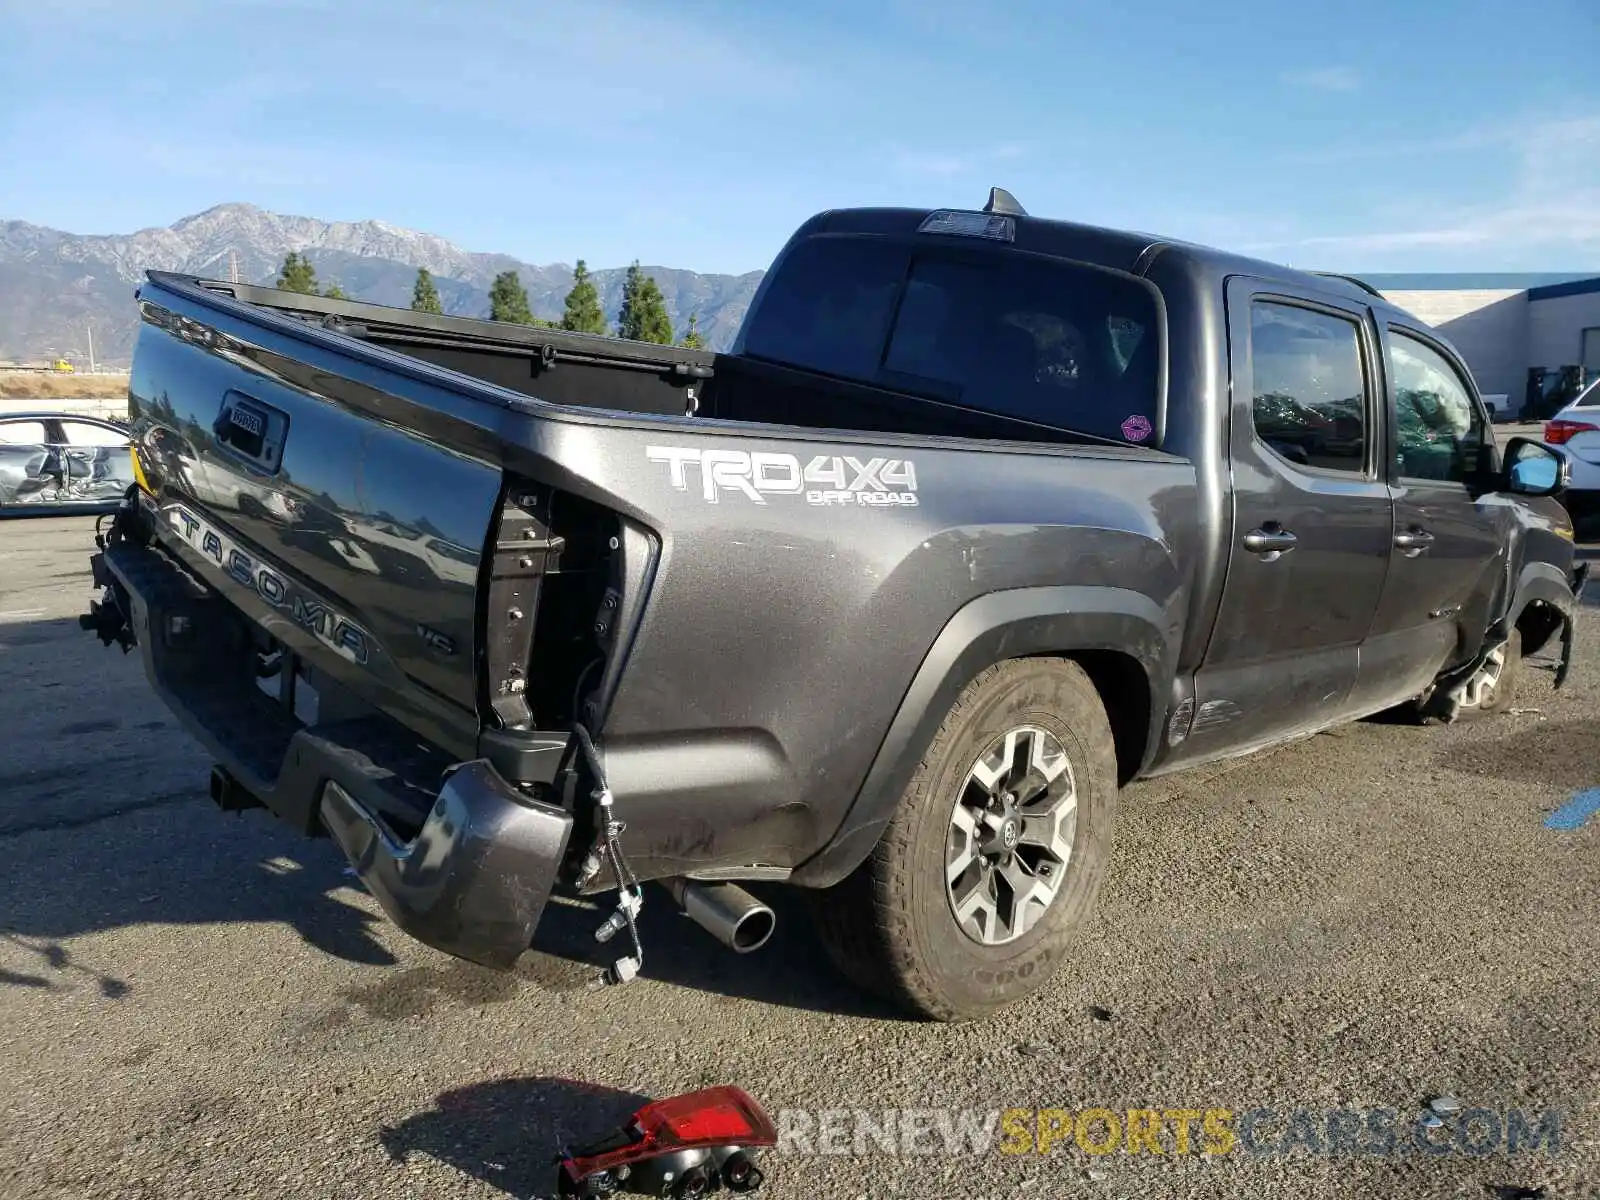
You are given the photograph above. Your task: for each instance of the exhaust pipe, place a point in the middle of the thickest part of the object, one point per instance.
(727, 912)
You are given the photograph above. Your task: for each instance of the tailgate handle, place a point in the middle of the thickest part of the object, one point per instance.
(252, 430)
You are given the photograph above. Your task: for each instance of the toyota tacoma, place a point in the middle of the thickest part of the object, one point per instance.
(981, 517)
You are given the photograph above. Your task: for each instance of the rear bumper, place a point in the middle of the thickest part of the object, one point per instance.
(473, 881)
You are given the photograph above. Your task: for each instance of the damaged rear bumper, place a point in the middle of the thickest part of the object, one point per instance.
(473, 880)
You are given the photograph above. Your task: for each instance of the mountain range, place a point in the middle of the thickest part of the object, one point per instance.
(55, 286)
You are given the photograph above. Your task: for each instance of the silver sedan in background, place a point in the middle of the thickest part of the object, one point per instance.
(60, 462)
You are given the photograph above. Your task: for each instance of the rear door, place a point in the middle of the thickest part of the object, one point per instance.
(1448, 553)
(1312, 519)
(95, 457)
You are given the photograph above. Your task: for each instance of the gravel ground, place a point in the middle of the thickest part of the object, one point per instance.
(194, 1004)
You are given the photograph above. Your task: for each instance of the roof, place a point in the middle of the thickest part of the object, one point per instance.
(1119, 249)
(53, 414)
(1574, 287)
(1468, 281)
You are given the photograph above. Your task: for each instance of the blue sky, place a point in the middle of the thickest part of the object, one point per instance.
(1363, 136)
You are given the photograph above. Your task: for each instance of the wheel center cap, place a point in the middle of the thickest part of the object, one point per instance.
(1009, 834)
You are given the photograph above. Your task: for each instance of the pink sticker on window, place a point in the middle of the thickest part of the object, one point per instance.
(1136, 428)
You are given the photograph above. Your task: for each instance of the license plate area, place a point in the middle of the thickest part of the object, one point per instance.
(252, 430)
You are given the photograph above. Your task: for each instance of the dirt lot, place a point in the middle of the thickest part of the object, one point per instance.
(45, 386)
(194, 1004)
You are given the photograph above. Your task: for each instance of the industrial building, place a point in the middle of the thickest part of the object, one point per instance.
(1532, 341)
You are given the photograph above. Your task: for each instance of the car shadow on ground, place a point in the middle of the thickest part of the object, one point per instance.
(509, 1132)
(103, 829)
(1558, 754)
(792, 970)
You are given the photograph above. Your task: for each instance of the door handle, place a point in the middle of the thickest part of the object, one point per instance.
(1271, 541)
(1413, 541)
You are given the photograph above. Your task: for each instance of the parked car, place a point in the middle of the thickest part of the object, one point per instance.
(60, 462)
(981, 517)
(1576, 430)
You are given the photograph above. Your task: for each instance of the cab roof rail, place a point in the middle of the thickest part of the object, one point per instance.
(1360, 283)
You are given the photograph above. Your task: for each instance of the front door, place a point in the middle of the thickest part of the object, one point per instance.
(1448, 559)
(1312, 521)
(95, 458)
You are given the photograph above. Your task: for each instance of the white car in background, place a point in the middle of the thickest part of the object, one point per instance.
(1576, 429)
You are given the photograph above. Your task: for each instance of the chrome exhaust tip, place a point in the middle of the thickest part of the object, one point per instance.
(726, 911)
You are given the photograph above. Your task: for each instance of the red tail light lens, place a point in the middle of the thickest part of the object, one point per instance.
(1559, 431)
(720, 1116)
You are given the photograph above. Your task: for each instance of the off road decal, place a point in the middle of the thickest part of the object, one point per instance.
(826, 480)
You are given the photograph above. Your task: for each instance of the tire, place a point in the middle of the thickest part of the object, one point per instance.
(1499, 695)
(891, 926)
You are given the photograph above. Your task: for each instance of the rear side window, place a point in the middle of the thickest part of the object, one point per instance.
(1308, 389)
(1046, 342)
(81, 433)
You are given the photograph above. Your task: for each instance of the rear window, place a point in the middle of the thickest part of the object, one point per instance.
(1046, 342)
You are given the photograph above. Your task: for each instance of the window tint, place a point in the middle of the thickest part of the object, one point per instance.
(81, 433)
(828, 307)
(1308, 392)
(1050, 343)
(1437, 427)
(21, 433)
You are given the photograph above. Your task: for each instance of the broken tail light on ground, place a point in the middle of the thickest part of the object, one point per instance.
(685, 1146)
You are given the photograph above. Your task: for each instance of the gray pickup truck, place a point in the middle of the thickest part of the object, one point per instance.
(982, 517)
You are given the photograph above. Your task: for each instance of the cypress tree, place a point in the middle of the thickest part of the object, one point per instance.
(644, 310)
(692, 339)
(583, 312)
(424, 296)
(335, 292)
(508, 300)
(298, 275)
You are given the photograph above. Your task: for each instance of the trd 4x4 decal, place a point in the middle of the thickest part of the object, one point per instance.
(828, 479)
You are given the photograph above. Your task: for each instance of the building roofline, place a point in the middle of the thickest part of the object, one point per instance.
(1554, 291)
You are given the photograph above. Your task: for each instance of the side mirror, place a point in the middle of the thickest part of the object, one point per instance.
(1534, 469)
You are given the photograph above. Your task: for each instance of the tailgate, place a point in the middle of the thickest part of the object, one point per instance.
(347, 522)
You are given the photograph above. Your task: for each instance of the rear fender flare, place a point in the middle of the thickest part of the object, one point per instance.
(1540, 581)
(1017, 623)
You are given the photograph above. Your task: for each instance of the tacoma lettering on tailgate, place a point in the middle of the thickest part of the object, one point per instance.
(330, 627)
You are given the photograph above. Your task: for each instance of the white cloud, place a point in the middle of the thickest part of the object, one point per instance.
(1548, 208)
(1325, 79)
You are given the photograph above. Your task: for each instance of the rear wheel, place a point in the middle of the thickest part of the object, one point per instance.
(996, 852)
